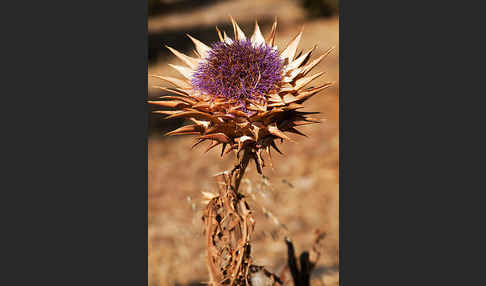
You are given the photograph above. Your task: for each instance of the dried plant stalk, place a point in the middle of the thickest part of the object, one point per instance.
(301, 272)
(229, 224)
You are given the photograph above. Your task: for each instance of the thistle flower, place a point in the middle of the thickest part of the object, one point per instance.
(242, 94)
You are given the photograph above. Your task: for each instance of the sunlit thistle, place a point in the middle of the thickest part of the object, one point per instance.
(242, 93)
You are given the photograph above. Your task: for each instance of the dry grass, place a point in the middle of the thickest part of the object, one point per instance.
(300, 195)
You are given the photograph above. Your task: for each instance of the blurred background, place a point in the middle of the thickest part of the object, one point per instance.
(301, 193)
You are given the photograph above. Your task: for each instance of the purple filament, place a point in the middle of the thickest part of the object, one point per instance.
(239, 71)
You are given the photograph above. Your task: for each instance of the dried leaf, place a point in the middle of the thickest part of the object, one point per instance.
(175, 81)
(289, 52)
(299, 61)
(238, 33)
(184, 71)
(201, 48)
(271, 37)
(171, 104)
(306, 69)
(220, 36)
(220, 137)
(193, 63)
(275, 131)
(188, 129)
(257, 37)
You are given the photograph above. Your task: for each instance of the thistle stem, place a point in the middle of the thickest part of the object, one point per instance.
(239, 169)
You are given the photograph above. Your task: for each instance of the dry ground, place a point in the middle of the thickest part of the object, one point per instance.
(302, 191)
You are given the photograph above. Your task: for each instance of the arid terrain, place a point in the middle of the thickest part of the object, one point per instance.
(302, 191)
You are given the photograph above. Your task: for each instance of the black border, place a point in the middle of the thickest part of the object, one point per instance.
(75, 160)
(403, 78)
(75, 168)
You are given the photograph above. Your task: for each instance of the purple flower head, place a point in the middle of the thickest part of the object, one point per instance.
(239, 71)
